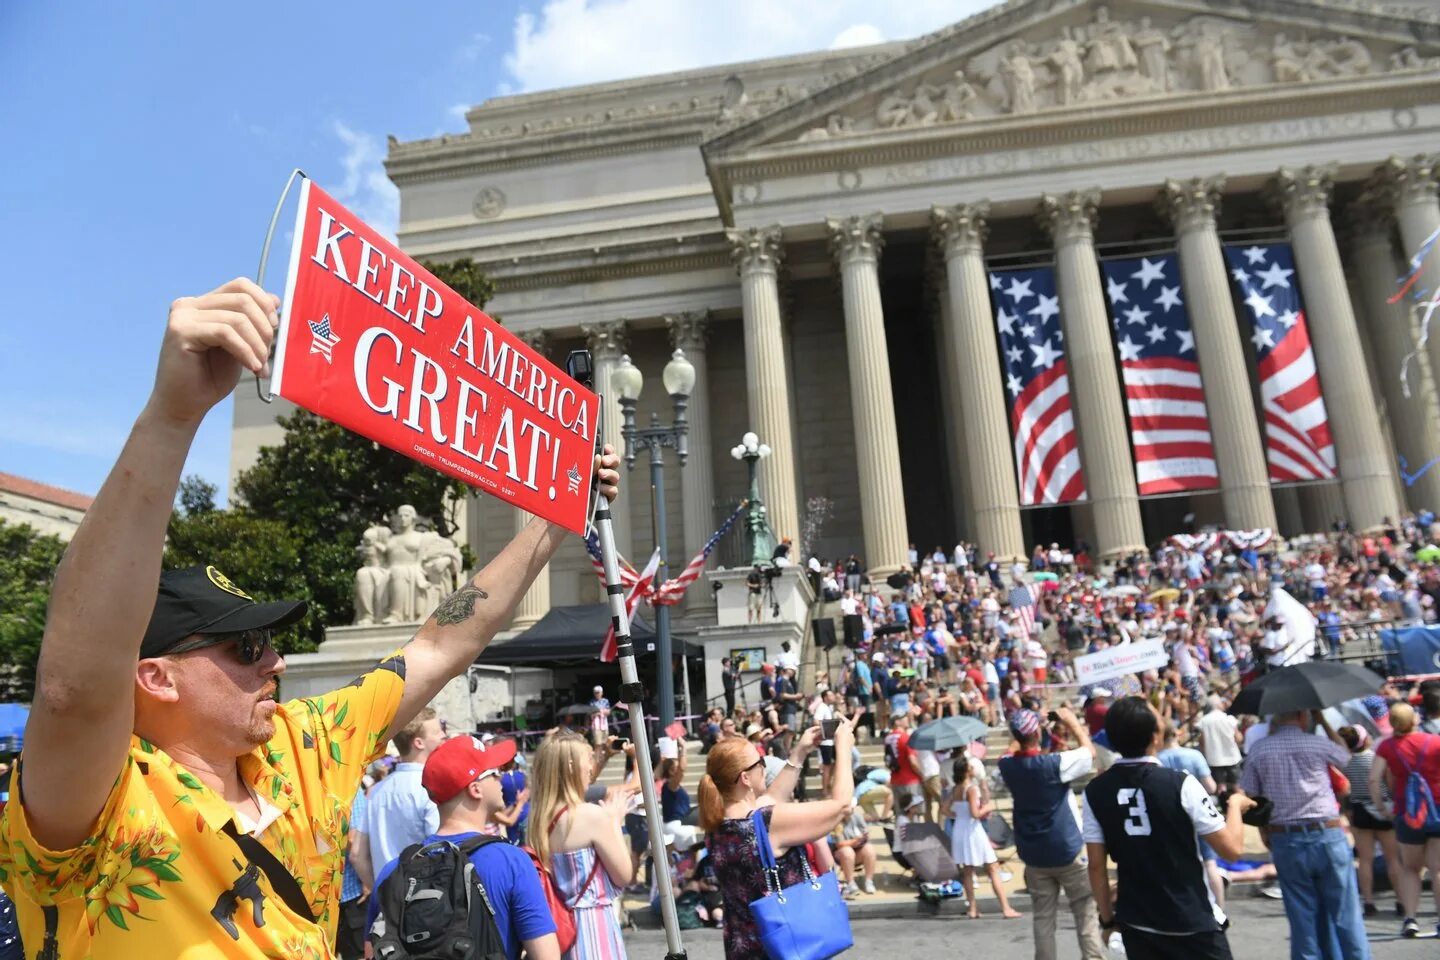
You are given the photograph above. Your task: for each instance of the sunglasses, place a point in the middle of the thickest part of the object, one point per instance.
(757, 763)
(250, 645)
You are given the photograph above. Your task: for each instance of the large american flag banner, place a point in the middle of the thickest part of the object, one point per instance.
(1023, 603)
(1169, 428)
(1037, 385)
(1297, 431)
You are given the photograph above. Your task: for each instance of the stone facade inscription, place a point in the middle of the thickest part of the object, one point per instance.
(1121, 150)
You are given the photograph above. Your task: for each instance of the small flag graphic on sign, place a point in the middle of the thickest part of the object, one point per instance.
(322, 338)
(573, 478)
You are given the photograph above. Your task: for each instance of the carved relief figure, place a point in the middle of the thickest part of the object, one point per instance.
(1154, 49)
(956, 98)
(442, 563)
(1108, 48)
(923, 111)
(893, 111)
(1289, 66)
(1351, 57)
(1069, 71)
(371, 578)
(1019, 78)
(1210, 60)
(407, 590)
(835, 126)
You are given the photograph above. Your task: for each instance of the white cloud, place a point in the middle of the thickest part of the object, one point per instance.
(366, 189)
(858, 35)
(572, 42)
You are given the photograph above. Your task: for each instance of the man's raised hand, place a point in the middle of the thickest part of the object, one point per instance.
(208, 340)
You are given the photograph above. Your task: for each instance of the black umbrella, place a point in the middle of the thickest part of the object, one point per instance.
(1306, 686)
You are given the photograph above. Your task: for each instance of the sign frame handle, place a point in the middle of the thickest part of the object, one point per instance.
(296, 174)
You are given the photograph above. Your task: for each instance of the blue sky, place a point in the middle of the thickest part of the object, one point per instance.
(145, 145)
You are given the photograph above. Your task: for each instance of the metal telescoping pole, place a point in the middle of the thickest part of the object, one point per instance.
(664, 668)
(632, 694)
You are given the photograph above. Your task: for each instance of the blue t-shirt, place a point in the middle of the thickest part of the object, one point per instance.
(674, 804)
(508, 875)
(900, 613)
(511, 783)
(1186, 760)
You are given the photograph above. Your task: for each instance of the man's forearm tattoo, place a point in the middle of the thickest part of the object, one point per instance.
(459, 606)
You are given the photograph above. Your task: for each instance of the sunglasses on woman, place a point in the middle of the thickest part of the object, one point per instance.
(249, 645)
(757, 763)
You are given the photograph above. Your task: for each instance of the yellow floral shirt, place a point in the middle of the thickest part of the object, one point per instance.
(160, 880)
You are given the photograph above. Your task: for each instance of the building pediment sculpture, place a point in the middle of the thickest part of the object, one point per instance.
(1109, 59)
(405, 570)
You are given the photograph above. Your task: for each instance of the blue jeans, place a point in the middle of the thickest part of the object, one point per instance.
(1322, 901)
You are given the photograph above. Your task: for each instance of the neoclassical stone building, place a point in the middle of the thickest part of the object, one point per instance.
(816, 232)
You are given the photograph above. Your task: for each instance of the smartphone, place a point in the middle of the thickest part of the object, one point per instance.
(827, 729)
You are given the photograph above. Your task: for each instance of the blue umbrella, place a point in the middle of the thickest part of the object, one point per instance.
(12, 726)
(947, 733)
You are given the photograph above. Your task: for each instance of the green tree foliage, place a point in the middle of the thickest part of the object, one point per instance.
(27, 564)
(262, 556)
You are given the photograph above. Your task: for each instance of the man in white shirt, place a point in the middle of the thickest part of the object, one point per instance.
(1315, 577)
(849, 606)
(1220, 742)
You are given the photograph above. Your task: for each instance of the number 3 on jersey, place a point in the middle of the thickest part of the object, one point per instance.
(1137, 823)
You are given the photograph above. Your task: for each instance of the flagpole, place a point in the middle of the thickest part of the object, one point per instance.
(632, 691)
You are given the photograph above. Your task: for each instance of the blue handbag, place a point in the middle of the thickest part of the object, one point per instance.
(804, 921)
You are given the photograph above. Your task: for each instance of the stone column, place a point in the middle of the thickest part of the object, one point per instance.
(1094, 380)
(972, 361)
(952, 421)
(856, 243)
(1409, 185)
(536, 602)
(697, 484)
(1239, 451)
(1367, 474)
(607, 343)
(757, 252)
(1413, 424)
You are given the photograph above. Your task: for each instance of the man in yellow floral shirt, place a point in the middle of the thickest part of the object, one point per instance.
(166, 806)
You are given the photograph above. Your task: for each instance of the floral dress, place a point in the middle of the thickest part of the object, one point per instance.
(735, 856)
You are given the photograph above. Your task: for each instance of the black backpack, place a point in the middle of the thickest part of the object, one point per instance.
(433, 906)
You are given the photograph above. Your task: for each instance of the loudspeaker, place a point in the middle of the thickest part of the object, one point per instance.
(824, 630)
(854, 630)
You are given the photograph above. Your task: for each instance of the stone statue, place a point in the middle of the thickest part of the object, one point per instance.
(371, 578)
(407, 591)
(955, 99)
(1069, 71)
(1154, 49)
(1210, 60)
(923, 112)
(1018, 76)
(443, 565)
(1349, 57)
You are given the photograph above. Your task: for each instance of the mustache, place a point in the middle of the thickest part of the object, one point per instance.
(269, 692)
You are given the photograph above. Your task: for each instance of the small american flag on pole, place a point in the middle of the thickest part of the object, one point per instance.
(671, 591)
(636, 592)
(1022, 601)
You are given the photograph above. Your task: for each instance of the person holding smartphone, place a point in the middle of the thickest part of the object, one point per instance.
(824, 713)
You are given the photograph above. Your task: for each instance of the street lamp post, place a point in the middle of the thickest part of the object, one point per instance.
(679, 379)
(752, 451)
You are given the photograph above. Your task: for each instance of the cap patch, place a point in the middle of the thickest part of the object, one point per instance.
(224, 583)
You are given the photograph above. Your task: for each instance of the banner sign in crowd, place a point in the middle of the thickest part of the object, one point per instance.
(1120, 660)
(1169, 425)
(1297, 430)
(373, 341)
(1037, 386)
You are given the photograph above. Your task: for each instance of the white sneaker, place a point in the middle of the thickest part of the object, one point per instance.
(1116, 944)
(1006, 876)
(869, 886)
(850, 891)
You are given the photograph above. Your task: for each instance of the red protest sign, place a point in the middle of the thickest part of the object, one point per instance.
(373, 341)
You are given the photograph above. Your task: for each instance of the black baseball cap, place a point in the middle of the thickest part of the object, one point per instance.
(204, 600)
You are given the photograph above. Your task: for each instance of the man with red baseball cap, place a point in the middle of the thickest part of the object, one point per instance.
(205, 812)
(462, 776)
